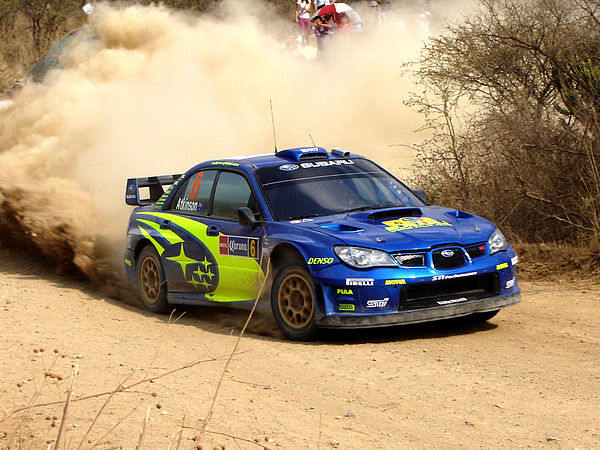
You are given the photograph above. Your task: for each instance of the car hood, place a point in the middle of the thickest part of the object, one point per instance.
(403, 228)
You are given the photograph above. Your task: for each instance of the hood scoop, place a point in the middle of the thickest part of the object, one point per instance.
(395, 213)
(342, 228)
(459, 214)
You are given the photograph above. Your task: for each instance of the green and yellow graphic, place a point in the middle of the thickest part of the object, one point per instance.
(193, 261)
(412, 223)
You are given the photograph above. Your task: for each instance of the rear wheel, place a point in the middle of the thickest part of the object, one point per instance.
(293, 302)
(151, 284)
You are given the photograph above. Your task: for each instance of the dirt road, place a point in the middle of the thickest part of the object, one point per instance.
(531, 377)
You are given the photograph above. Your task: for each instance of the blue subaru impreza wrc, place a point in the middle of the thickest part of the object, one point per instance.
(339, 242)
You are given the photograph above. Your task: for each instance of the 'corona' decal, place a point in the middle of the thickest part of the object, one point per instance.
(238, 246)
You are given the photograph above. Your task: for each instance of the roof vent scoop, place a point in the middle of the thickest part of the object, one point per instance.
(340, 152)
(303, 154)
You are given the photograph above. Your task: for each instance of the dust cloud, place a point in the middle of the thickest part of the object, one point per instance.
(147, 91)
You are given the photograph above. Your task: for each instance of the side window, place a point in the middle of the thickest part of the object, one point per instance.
(232, 192)
(194, 195)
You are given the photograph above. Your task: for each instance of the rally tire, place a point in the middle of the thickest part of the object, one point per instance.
(293, 302)
(151, 284)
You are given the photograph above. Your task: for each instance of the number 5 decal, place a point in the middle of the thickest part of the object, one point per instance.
(196, 185)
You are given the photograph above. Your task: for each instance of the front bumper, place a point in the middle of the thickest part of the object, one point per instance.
(418, 315)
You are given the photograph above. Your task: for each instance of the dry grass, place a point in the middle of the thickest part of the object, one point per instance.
(558, 261)
(123, 388)
(26, 432)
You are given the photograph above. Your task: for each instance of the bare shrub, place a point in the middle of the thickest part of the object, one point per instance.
(512, 96)
(46, 19)
(29, 28)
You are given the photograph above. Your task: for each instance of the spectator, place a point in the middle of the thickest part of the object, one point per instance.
(374, 15)
(303, 18)
(323, 34)
(356, 20)
(320, 3)
(344, 29)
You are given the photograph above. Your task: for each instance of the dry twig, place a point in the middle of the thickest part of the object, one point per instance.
(233, 352)
(143, 431)
(220, 433)
(84, 439)
(63, 419)
(123, 389)
(181, 429)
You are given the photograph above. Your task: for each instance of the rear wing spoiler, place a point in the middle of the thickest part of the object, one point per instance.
(147, 190)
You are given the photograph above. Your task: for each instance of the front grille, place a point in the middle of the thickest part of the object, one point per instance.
(426, 295)
(413, 260)
(476, 251)
(448, 258)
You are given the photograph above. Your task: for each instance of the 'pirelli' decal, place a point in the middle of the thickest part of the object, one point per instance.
(238, 246)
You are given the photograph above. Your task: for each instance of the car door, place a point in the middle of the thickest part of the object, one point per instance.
(209, 255)
(189, 255)
(239, 247)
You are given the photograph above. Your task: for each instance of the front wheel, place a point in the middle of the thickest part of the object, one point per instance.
(151, 284)
(293, 302)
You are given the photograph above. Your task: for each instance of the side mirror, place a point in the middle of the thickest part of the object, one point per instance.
(422, 195)
(246, 217)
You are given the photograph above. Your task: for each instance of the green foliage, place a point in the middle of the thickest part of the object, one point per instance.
(579, 88)
(512, 98)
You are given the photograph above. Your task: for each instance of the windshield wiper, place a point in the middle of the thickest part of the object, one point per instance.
(306, 216)
(367, 208)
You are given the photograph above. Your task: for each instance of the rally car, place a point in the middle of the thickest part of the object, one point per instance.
(347, 244)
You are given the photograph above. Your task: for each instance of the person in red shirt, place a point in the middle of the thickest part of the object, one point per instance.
(345, 28)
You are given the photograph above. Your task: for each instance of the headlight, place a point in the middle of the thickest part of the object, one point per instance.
(497, 242)
(363, 258)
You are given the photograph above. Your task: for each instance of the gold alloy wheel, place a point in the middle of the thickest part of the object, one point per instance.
(296, 302)
(150, 280)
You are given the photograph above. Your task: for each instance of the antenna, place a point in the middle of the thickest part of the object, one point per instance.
(311, 140)
(273, 122)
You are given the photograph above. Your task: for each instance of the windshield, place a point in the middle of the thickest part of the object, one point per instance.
(322, 188)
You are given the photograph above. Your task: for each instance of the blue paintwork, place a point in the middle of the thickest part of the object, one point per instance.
(315, 238)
